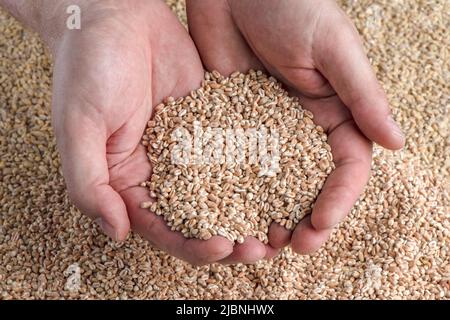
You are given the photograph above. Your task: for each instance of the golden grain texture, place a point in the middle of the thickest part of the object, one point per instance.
(234, 156)
(394, 244)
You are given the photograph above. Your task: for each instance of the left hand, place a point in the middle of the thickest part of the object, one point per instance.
(315, 50)
(108, 76)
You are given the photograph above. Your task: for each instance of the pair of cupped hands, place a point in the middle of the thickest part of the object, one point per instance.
(131, 54)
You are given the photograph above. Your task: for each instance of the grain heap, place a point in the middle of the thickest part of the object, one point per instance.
(227, 191)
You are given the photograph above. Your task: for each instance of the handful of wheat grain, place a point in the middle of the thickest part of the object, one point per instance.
(233, 157)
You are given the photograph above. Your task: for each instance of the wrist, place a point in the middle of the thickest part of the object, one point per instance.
(50, 18)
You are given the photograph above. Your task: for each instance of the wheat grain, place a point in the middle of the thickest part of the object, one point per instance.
(240, 196)
(394, 244)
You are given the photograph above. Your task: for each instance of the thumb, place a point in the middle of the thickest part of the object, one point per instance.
(340, 57)
(82, 145)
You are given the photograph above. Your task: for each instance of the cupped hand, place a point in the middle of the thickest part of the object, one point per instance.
(107, 76)
(315, 50)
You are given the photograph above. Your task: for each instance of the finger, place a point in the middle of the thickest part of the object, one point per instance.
(250, 251)
(279, 236)
(352, 154)
(82, 145)
(306, 239)
(340, 57)
(271, 252)
(156, 231)
(219, 42)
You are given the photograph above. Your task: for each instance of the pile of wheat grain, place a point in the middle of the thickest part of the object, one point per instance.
(394, 244)
(248, 155)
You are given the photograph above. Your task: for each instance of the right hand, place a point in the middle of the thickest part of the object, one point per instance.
(313, 48)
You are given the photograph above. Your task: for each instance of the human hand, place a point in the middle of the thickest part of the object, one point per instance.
(315, 50)
(126, 58)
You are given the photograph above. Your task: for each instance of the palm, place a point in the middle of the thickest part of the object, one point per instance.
(101, 111)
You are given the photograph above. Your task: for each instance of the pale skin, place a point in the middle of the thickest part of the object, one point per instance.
(129, 55)
(314, 49)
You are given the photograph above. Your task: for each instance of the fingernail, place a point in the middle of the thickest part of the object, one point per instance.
(107, 228)
(395, 128)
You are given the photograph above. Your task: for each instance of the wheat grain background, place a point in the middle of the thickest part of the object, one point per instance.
(394, 244)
